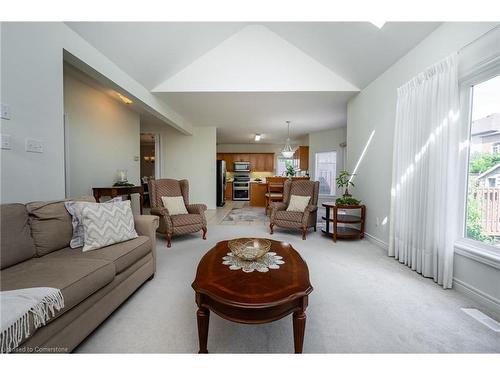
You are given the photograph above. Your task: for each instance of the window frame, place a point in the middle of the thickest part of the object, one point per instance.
(495, 148)
(335, 172)
(470, 248)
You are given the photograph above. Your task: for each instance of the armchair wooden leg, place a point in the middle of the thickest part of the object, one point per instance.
(304, 231)
(169, 239)
(271, 227)
(204, 229)
(315, 228)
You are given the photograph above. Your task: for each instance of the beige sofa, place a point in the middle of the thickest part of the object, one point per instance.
(35, 252)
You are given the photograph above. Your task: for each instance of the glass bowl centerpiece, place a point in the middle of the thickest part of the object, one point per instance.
(249, 248)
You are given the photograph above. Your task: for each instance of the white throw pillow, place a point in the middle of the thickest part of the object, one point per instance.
(75, 209)
(174, 205)
(298, 203)
(107, 224)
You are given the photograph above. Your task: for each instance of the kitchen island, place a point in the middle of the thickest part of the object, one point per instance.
(258, 190)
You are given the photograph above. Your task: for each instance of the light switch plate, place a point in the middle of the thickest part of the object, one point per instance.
(5, 111)
(34, 145)
(5, 142)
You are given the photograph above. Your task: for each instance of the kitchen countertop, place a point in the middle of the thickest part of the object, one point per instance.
(251, 181)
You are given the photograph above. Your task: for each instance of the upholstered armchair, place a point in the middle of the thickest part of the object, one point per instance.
(171, 225)
(294, 219)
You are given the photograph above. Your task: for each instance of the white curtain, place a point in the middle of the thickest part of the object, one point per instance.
(424, 194)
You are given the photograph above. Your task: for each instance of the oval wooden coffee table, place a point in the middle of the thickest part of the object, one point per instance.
(255, 297)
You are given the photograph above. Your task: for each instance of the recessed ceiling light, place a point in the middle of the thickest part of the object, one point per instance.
(124, 98)
(379, 24)
(257, 137)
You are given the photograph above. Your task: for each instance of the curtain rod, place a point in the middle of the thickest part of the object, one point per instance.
(479, 37)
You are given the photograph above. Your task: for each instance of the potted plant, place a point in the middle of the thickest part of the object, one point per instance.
(343, 182)
(290, 171)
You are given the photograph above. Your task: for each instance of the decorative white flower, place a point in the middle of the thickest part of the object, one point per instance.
(268, 261)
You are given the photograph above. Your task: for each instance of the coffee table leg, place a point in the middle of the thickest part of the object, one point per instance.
(299, 327)
(203, 317)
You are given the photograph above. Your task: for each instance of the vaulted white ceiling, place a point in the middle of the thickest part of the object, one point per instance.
(255, 59)
(248, 78)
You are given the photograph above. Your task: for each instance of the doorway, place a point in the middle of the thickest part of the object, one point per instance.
(150, 164)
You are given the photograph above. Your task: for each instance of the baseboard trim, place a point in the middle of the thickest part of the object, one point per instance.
(377, 241)
(490, 302)
(485, 299)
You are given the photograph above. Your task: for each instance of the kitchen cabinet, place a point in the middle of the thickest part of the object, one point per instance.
(229, 191)
(259, 161)
(228, 158)
(241, 157)
(269, 163)
(304, 158)
(300, 158)
(258, 194)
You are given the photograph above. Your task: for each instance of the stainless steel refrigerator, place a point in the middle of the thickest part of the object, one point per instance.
(221, 183)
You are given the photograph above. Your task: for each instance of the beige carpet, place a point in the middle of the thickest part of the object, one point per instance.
(363, 302)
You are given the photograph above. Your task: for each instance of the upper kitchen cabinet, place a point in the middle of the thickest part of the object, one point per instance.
(262, 162)
(300, 158)
(259, 162)
(269, 163)
(228, 158)
(241, 157)
(303, 158)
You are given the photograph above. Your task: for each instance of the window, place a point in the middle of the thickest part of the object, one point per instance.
(281, 166)
(496, 148)
(483, 192)
(325, 172)
(283, 163)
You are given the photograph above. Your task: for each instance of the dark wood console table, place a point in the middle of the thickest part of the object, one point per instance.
(336, 218)
(116, 191)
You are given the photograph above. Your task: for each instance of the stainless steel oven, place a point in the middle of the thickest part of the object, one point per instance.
(241, 186)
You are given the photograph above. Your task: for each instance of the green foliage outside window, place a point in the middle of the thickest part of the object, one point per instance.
(474, 228)
(290, 171)
(482, 161)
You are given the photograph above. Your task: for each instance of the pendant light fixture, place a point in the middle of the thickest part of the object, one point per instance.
(287, 151)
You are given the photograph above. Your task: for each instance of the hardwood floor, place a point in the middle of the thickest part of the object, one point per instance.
(215, 216)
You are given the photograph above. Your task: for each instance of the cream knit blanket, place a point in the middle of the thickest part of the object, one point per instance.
(20, 307)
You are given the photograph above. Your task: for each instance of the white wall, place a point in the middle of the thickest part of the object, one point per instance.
(327, 140)
(189, 157)
(32, 84)
(373, 109)
(102, 135)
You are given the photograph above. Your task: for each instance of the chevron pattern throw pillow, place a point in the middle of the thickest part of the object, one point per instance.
(107, 224)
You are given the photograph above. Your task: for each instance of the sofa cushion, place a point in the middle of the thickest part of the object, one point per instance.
(51, 226)
(186, 219)
(289, 216)
(107, 224)
(122, 254)
(77, 279)
(75, 209)
(16, 242)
